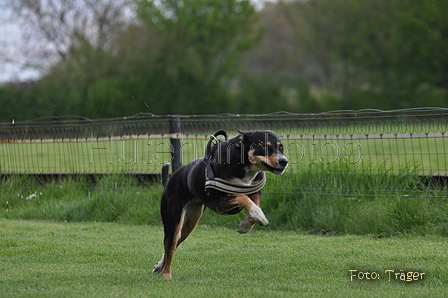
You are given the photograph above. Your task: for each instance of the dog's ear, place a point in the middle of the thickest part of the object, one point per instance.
(243, 135)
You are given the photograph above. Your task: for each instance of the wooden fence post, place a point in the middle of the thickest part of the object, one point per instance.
(176, 154)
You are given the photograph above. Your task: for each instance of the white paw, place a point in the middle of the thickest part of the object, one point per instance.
(257, 214)
(246, 225)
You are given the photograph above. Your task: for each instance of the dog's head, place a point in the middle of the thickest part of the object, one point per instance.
(264, 150)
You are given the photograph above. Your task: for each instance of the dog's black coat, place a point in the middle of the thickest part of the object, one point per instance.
(238, 160)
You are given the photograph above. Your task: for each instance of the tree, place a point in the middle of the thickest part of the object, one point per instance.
(395, 50)
(177, 58)
(54, 28)
(201, 47)
(385, 54)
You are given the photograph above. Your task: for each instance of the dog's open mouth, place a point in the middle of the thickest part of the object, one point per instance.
(278, 171)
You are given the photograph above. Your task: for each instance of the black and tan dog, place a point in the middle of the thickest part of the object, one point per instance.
(228, 179)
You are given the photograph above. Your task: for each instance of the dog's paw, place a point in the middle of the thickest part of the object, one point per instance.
(166, 275)
(246, 225)
(258, 216)
(158, 266)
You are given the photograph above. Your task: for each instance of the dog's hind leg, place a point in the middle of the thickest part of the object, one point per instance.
(178, 224)
(193, 212)
(173, 217)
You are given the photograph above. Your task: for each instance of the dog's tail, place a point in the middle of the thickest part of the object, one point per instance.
(165, 174)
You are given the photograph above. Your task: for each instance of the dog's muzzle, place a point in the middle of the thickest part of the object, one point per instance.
(282, 165)
(278, 167)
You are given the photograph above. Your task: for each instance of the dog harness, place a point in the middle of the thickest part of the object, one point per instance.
(222, 185)
(233, 188)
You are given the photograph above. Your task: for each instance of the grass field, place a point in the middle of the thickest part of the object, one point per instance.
(47, 259)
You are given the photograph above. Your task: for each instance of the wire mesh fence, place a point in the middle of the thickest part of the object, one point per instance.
(368, 141)
(330, 154)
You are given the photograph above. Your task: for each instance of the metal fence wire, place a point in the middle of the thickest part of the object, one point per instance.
(401, 142)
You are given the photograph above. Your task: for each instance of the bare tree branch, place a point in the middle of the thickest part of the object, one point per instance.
(52, 27)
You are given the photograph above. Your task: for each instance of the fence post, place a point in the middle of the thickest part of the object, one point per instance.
(176, 154)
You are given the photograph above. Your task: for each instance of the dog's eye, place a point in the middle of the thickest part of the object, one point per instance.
(280, 148)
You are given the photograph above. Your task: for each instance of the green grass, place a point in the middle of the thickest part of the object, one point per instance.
(382, 204)
(316, 202)
(115, 199)
(47, 259)
(81, 157)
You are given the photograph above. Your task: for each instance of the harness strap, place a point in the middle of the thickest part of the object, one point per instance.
(232, 188)
(208, 155)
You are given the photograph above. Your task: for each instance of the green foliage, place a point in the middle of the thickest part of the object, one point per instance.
(70, 200)
(358, 54)
(259, 95)
(336, 203)
(391, 52)
(357, 203)
(9, 98)
(200, 46)
(215, 56)
(176, 61)
(202, 38)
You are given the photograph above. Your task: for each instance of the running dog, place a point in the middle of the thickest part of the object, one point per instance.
(228, 179)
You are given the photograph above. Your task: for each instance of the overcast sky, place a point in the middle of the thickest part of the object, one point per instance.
(11, 58)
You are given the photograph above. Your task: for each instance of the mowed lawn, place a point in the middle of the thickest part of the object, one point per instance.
(47, 259)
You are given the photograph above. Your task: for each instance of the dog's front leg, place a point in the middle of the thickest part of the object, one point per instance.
(256, 215)
(246, 225)
(248, 222)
